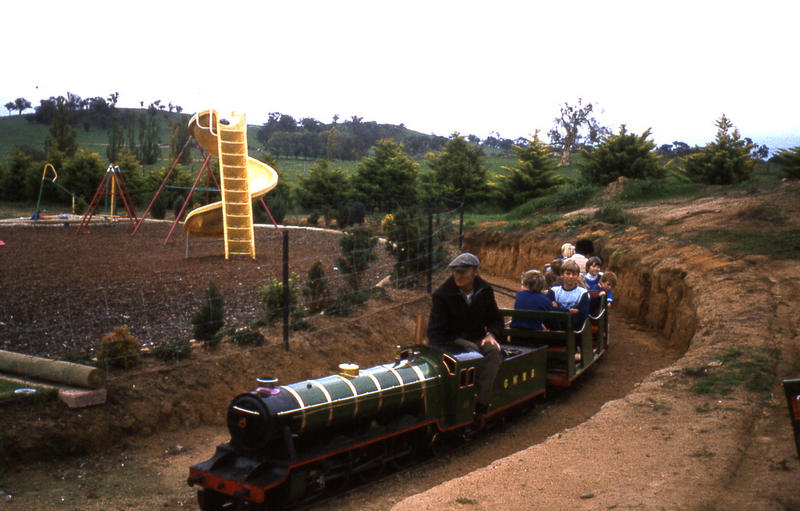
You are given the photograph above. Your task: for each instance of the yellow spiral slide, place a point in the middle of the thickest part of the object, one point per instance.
(242, 179)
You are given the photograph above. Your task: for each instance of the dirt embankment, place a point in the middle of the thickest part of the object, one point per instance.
(163, 397)
(662, 446)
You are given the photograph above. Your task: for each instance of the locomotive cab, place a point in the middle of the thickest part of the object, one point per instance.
(462, 366)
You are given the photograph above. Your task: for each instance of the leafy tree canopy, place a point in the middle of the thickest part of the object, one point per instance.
(62, 135)
(575, 127)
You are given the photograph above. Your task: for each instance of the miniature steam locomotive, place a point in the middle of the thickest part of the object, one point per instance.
(292, 443)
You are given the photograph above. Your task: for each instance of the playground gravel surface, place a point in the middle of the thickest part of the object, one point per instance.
(61, 292)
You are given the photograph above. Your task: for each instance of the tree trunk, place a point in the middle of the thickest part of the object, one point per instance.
(566, 157)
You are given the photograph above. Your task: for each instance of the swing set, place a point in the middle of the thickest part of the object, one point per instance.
(37, 212)
(113, 185)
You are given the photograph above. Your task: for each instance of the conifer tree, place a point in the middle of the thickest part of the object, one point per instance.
(623, 154)
(725, 161)
(789, 160)
(387, 179)
(533, 176)
(458, 170)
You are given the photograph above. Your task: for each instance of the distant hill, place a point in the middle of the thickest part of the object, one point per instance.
(354, 138)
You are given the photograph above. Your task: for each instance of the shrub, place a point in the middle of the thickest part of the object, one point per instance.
(624, 154)
(789, 160)
(725, 161)
(210, 318)
(533, 176)
(612, 214)
(358, 251)
(352, 213)
(173, 350)
(279, 202)
(316, 288)
(346, 300)
(407, 241)
(272, 301)
(118, 349)
(159, 209)
(247, 337)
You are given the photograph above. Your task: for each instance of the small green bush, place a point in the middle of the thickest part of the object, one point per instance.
(247, 337)
(271, 300)
(315, 290)
(345, 302)
(210, 318)
(173, 350)
(357, 246)
(612, 214)
(119, 349)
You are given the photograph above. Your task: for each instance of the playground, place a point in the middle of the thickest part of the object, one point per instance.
(62, 292)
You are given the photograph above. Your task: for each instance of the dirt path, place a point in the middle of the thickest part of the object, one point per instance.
(149, 473)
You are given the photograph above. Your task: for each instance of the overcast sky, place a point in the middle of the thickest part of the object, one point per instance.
(436, 66)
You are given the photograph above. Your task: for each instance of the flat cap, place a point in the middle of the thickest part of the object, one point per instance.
(464, 260)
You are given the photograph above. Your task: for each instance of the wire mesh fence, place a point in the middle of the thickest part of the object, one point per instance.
(62, 294)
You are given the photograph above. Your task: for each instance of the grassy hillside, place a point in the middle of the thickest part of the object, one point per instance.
(17, 131)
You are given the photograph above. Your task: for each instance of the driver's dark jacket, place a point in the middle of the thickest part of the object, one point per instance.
(451, 317)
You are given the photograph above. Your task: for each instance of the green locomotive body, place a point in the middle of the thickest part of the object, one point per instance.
(290, 443)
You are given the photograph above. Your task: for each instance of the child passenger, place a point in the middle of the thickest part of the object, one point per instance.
(569, 297)
(532, 297)
(552, 274)
(608, 281)
(593, 273)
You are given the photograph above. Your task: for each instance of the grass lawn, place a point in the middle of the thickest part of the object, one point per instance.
(8, 390)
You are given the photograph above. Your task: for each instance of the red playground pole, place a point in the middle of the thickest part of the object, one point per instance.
(188, 198)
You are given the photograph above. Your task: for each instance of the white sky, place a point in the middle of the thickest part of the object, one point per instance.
(436, 66)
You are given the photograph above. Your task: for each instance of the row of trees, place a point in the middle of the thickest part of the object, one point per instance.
(575, 129)
(351, 139)
(389, 179)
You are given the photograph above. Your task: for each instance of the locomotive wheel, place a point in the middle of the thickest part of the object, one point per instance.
(211, 500)
(214, 501)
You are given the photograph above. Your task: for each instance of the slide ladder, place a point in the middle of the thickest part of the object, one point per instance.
(237, 208)
(242, 179)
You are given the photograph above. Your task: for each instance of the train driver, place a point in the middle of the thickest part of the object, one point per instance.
(465, 313)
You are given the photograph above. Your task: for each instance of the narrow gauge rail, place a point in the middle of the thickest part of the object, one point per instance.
(291, 444)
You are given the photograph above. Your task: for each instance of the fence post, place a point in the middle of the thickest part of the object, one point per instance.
(286, 290)
(430, 251)
(461, 228)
